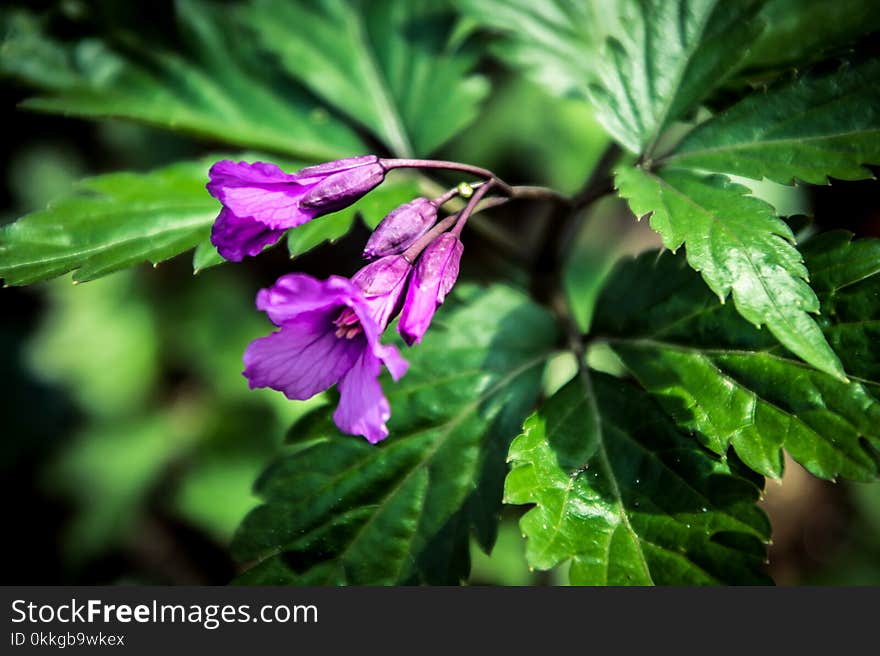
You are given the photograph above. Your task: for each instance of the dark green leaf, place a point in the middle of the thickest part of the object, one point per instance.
(223, 90)
(819, 125)
(740, 247)
(804, 30)
(339, 510)
(665, 58)
(387, 65)
(733, 384)
(627, 498)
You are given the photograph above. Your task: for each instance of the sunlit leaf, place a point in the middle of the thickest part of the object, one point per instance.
(733, 384)
(740, 247)
(627, 498)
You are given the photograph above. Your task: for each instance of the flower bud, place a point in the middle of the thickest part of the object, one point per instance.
(401, 228)
(435, 273)
(340, 183)
(383, 282)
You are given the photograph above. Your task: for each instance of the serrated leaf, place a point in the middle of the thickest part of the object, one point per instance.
(666, 57)
(386, 65)
(717, 375)
(555, 42)
(740, 247)
(121, 219)
(628, 499)
(339, 510)
(372, 208)
(819, 125)
(222, 89)
(114, 221)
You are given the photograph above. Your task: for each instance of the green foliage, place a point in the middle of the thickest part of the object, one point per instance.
(732, 384)
(116, 220)
(821, 124)
(339, 510)
(665, 59)
(121, 219)
(803, 30)
(554, 41)
(222, 90)
(740, 246)
(389, 66)
(627, 498)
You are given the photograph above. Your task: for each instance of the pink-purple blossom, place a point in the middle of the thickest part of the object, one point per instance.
(260, 201)
(329, 333)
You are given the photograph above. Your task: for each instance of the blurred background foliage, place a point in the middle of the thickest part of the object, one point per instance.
(130, 444)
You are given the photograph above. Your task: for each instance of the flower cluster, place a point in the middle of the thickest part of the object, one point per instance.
(329, 331)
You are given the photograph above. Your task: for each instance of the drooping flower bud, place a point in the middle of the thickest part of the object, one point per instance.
(435, 273)
(260, 201)
(401, 228)
(383, 282)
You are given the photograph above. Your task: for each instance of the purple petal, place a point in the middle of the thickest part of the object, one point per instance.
(434, 276)
(303, 358)
(363, 408)
(236, 237)
(261, 191)
(383, 282)
(392, 359)
(295, 294)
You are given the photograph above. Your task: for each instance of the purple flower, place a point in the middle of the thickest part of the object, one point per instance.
(401, 228)
(434, 276)
(260, 201)
(328, 335)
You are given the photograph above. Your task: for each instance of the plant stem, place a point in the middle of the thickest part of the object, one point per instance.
(389, 164)
(562, 227)
(469, 208)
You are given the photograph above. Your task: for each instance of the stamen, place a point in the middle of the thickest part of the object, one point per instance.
(347, 324)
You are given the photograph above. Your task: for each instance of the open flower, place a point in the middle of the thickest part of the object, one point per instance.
(435, 273)
(328, 335)
(260, 201)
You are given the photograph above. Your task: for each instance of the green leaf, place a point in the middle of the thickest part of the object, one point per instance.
(554, 41)
(222, 90)
(628, 499)
(372, 208)
(717, 375)
(818, 125)
(803, 30)
(339, 510)
(389, 66)
(740, 247)
(115, 221)
(666, 57)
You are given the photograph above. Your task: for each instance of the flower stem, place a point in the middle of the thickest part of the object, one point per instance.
(469, 208)
(389, 164)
